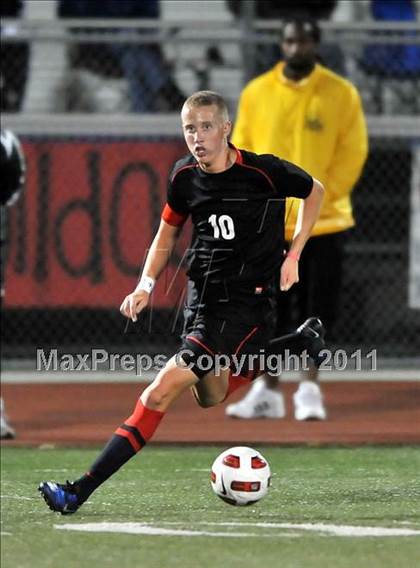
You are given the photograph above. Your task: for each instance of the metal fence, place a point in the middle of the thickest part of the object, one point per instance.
(97, 178)
(149, 66)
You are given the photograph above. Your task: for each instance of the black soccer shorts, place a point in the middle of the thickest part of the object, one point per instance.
(229, 320)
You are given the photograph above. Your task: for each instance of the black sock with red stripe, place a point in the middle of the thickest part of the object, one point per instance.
(127, 440)
(309, 336)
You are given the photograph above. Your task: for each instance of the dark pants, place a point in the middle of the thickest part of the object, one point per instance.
(318, 290)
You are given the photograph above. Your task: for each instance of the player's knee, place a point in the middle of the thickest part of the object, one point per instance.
(165, 389)
(158, 393)
(154, 397)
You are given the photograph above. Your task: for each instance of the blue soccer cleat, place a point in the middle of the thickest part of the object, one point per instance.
(60, 497)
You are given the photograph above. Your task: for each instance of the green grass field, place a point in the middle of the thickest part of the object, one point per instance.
(314, 493)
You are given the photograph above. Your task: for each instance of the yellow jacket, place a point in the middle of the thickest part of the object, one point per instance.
(318, 124)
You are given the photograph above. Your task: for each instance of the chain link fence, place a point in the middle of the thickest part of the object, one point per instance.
(98, 163)
(77, 239)
(85, 66)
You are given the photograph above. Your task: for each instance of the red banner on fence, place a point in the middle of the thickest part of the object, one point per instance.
(80, 231)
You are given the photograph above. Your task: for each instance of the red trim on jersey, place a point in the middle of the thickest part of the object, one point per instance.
(239, 158)
(172, 217)
(262, 172)
(245, 339)
(183, 168)
(195, 340)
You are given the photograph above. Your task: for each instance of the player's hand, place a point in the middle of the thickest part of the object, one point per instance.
(134, 303)
(289, 273)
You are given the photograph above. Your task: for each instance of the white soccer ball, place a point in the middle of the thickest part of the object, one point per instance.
(240, 476)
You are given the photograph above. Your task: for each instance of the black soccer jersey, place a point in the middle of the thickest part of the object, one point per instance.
(237, 215)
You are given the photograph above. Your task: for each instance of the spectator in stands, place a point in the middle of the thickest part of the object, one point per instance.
(151, 86)
(273, 9)
(395, 68)
(14, 59)
(269, 54)
(305, 113)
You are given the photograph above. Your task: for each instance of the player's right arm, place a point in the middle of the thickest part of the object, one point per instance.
(156, 260)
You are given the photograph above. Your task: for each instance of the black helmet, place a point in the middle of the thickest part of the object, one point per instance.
(12, 167)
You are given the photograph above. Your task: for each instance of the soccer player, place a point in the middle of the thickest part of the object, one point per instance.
(236, 203)
(12, 167)
(303, 112)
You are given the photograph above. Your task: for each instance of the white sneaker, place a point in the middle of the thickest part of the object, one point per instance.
(259, 402)
(308, 402)
(6, 431)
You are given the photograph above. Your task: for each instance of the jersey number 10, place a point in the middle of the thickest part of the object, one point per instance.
(222, 226)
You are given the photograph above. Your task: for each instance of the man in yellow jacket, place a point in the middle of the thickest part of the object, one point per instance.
(302, 112)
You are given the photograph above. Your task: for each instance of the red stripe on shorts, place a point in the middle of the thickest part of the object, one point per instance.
(245, 339)
(195, 340)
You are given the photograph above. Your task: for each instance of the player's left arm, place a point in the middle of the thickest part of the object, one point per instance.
(308, 215)
(351, 147)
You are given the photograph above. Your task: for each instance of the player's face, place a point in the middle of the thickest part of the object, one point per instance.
(205, 132)
(299, 49)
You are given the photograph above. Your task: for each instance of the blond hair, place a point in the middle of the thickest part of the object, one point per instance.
(207, 98)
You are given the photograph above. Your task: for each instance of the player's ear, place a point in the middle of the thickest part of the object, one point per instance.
(227, 127)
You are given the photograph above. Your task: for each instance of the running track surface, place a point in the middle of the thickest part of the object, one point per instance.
(87, 414)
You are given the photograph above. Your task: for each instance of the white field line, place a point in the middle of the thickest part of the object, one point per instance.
(140, 528)
(336, 530)
(320, 528)
(51, 470)
(194, 469)
(35, 377)
(18, 497)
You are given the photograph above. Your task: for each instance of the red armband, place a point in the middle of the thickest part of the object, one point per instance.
(172, 217)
